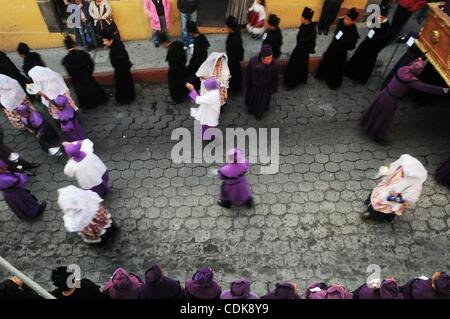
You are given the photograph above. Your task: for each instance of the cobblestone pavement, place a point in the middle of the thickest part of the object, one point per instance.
(305, 226)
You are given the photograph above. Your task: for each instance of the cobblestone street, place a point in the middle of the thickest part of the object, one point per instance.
(305, 226)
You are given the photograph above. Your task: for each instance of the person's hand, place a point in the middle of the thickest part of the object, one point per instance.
(189, 86)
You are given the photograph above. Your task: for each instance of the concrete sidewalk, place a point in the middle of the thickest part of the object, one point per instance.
(144, 55)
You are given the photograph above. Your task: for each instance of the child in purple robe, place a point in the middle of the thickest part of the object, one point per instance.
(89, 170)
(69, 120)
(47, 137)
(438, 287)
(235, 189)
(388, 289)
(378, 119)
(123, 285)
(202, 285)
(239, 289)
(209, 111)
(17, 197)
(158, 286)
(283, 291)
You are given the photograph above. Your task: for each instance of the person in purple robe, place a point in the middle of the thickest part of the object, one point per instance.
(17, 196)
(123, 285)
(45, 134)
(262, 81)
(388, 289)
(202, 285)
(239, 289)
(158, 286)
(442, 174)
(283, 291)
(69, 120)
(235, 189)
(322, 291)
(377, 121)
(89, 170)
(438, 287)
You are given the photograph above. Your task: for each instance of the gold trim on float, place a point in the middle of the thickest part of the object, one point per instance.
(434, 61)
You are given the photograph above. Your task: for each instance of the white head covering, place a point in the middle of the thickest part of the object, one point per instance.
(48, 82)
(415, 175)
(79, 207)
(207, 69)
(11, 93)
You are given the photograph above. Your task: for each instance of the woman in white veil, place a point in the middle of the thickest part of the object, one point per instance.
(216, 66)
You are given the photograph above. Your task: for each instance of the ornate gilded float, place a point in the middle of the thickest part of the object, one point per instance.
(435, 38)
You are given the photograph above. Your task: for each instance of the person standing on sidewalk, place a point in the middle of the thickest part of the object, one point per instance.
(200, 54)
(188, 10)
(402, 14)
(158, 12)
(30, 59)
(235, 53)
(120, 61)
(330, 11)
(274, 36)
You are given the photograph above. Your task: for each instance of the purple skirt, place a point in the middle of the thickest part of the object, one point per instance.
(102, 189)
(78, 133)
(379, 117)
(442, 174)
(22, 203)
(238, 192)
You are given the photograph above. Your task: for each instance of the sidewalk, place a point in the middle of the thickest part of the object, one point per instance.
(144, 55)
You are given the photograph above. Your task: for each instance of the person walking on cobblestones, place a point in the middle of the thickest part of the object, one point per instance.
(17, 196)
(378, 119)
(436, 287)
(235, 189)
(158, 11)
(188, 12)
(202, 285)
(401, 187)
(158, 286)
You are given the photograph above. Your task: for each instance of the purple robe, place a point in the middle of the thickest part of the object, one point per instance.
(234, 188)
(389, 289)
(45, 134)
(282, 291)
(422, 289)
(378, 119)
(262, 82)
(17, 197)
(70, 125)
(102, 189)
(442, 174)
(158, 286)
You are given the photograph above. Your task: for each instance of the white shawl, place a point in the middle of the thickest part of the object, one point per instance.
(206, 70)
(79, 207)
(11, 93)
(48, 82)
(90, 170)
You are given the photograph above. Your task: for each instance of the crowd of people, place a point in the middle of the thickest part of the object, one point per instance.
(206, 80)
(202, 286)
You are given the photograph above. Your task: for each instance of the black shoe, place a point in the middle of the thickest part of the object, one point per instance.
(367, 202)
(382, 141)
(157, 45)
(365, 216)
(249, 203)
(224, 204)
(42, 208)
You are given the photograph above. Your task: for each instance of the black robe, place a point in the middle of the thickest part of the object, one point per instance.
(298, 67)
(87, 290)
(178, 73)
(331, 68)
(124, 83)
(80, 66)
(262, 82)
(442, 174)
(201, 46)
(235, 53)
(31, 60)
(362, 63)
(275, 39)
(330, 11)
(7, 67)
(5, 153)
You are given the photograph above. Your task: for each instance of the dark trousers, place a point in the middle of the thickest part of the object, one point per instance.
(401, 16)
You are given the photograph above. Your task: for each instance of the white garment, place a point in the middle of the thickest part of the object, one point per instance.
(209, 110)
(104, 12)
(48, 82)
(11, 93)
(79, 207)
(410, 186)
(90, 170)
(206, 70)
(258, 8)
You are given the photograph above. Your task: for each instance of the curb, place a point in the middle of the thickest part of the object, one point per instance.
(159, 75)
